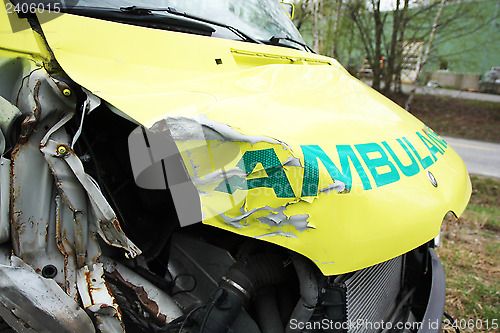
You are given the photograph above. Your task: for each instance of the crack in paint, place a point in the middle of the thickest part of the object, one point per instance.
(277, 233)
(200, 127)
(336, 186)
(324, 263)
(292, 161)
(219, 175)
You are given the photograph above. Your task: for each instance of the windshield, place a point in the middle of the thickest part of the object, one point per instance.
(259, 19)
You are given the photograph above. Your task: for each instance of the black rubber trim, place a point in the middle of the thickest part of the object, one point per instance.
(431, 323)
(163, 22)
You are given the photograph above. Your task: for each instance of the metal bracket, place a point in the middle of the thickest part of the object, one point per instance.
(108, 225)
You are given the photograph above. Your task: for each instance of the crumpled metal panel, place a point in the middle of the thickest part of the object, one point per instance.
(8, 115)
(94, 292)
(37, 219)
(4, 199)
(65, 164)
(157, 303)
(97, 297)
(31, 303)
(57, 210)
(43, 229)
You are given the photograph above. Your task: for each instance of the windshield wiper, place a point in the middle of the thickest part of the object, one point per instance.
(276, 41)
(144, 19)
(148, 11)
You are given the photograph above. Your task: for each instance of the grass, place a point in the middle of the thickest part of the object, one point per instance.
(484, 204)
(455, 117)
(470, 254)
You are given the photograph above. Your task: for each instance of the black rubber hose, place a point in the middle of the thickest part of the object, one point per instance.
(268, 314)
(256, 271)
(308, 291)
(239, 285)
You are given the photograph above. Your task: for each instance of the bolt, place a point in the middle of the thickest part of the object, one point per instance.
(62, 150)
(66, 92)
(49, 271)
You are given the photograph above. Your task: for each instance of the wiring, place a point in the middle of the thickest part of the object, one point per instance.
(219, 294)
(188, 315)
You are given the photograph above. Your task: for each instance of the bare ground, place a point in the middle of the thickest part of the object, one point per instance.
(459, 118)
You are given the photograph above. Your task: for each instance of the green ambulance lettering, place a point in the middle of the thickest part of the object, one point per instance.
(407, 170)
(426, 161)
(433, 148)
(313, 153)
(373, 155)
(373, 163)
(434, 137)
(276, 177)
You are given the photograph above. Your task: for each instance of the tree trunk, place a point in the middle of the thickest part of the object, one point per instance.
(391, 59)
(315, 12)
(333, 51)
(399, 48)
(377, 57)
(426, 55)
(321, 35)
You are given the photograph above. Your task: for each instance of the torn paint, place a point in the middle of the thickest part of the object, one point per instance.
(277, 233)
(199, 127)
(292, 161)
(337, 186)
(246, 214)
(324, 263)
(275, 218)
(280, 219)
(218, 176)
(258, 188)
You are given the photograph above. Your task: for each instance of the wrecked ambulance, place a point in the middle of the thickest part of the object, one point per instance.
(192, 166)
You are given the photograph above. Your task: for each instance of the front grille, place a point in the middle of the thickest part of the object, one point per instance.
(371, 293)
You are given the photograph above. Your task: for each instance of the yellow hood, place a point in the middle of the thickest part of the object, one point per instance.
(295, 150)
